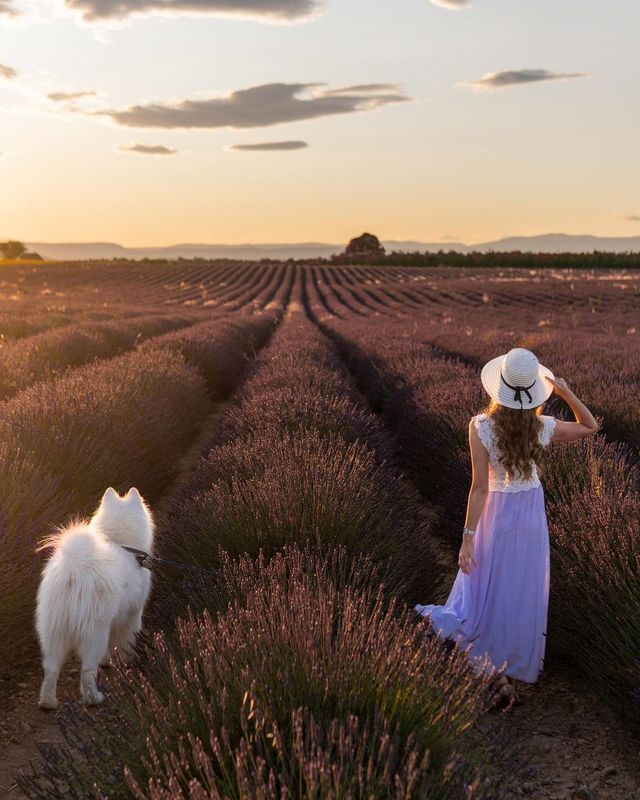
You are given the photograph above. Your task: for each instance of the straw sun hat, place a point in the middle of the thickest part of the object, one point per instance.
(517, 379)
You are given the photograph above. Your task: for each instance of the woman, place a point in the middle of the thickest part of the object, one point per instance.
(497, 607)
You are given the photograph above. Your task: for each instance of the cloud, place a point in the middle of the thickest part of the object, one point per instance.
(8, 9)
(256, 107)
(455, 5)
(60, 97)
(518, 77)
(147, 149)
(290, 145)
(359, 88)
(263, 10)
(8, 72)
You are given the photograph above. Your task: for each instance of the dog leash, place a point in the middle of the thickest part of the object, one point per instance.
(147, 561)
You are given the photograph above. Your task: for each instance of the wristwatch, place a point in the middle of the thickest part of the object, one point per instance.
(467, 532)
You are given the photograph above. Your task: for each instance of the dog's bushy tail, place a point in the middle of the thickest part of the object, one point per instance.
(74, 585)
(52, 541)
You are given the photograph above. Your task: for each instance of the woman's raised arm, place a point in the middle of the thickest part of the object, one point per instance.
(585, 424)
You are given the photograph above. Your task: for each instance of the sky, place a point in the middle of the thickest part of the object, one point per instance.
(158, 122)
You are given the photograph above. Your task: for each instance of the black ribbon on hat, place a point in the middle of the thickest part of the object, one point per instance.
(518, 389)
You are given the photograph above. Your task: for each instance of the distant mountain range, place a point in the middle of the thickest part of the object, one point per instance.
(547, 243)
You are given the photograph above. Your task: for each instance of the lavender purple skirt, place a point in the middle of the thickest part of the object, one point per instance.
(498, 613)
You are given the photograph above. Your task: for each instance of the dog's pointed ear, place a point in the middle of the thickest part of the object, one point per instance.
(110, 495)
(133, 494)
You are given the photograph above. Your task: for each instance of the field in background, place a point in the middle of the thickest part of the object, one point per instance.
(304, 430)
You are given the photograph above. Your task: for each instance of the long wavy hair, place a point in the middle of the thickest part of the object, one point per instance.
(517, 432)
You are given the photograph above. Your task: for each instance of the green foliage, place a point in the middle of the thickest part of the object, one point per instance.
(12, 249)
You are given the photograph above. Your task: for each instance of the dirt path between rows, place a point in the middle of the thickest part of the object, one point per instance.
(22, 725)
(565, 743)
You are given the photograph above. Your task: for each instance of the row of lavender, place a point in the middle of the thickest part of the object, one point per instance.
(42, 356)
(121, 421)
(18, 322)
(294, 669)
(352, 291)
(65, 287)
(592, 487)
(342, 291)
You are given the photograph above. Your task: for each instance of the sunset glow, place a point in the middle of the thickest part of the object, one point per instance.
(147, 122)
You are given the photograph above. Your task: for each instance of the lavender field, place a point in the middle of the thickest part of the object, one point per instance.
(301, 431)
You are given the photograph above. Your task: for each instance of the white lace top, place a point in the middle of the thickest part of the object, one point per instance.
(498, 478)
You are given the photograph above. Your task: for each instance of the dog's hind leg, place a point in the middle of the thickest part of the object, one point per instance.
(91, 653)
(105, 661)
(53, 659)
(124, 637)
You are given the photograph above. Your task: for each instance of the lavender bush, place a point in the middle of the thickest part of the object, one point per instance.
(220, 348)
(427, 401)
(283, 464)
(40, 357)
(593, 508)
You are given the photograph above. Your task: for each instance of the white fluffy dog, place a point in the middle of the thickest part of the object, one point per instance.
(93, 591)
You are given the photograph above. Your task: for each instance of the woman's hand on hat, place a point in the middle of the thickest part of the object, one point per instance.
(559, 386)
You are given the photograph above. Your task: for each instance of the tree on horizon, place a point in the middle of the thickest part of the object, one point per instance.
(12, 249)
(365, 244)
(15, 249)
